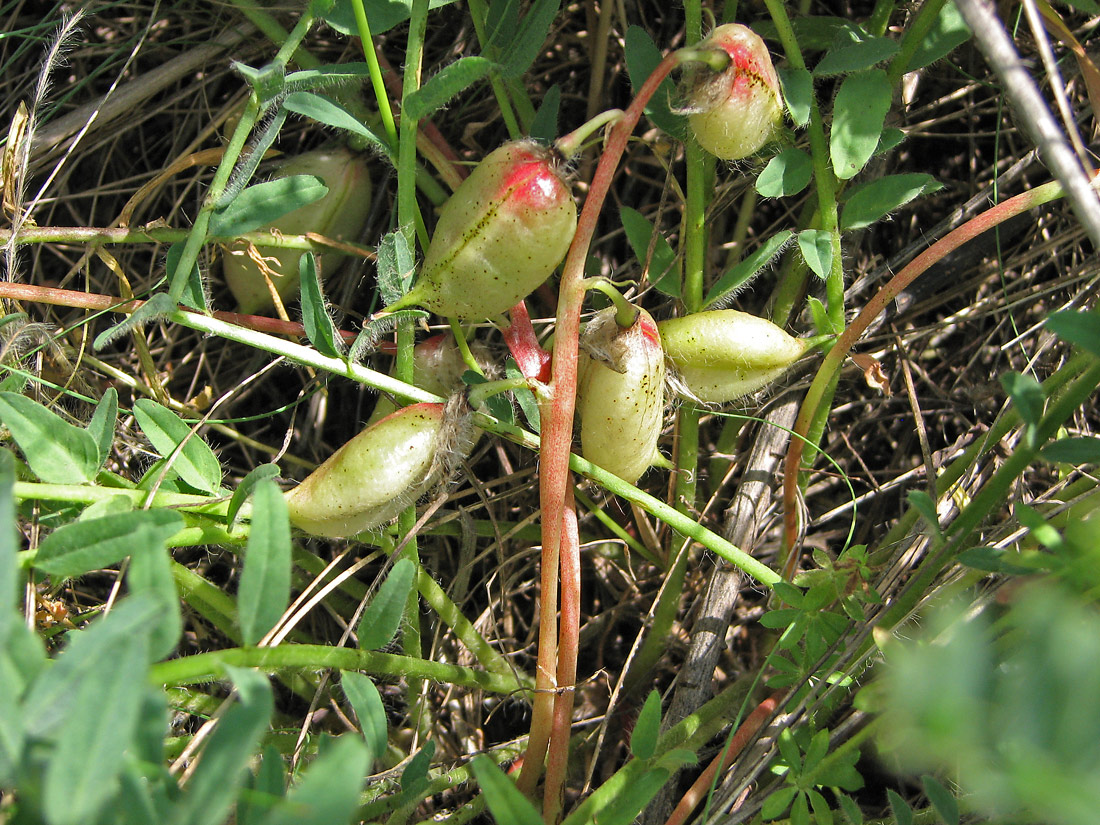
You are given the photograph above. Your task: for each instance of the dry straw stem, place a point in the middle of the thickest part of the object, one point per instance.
(1033, 113)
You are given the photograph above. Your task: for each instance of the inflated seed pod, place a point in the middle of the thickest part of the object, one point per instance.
(437, 368)
(339, 215)
(499, 236)
(388, 466)
(735, 112)
(724, 354)
(621, 394)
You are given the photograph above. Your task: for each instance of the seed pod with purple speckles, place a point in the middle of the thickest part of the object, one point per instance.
(621, 394)
(501, 234)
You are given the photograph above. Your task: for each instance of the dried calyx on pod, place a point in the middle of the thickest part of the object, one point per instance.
(381, 471)
(621, 393)
(724, 354)
(499, 236)
(735, 112)
(339, 215)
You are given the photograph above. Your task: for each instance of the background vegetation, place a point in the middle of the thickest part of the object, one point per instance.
(914, 636)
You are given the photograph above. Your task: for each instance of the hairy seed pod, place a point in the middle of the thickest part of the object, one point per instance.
(387, 467)
(735, 112)
(621, 394)
(437, 368)
(724, 354)
(339, 215)
(501, 234)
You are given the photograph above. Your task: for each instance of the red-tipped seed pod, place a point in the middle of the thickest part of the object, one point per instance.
(437, 368)
(724, 354)
(339, 215)
(388, 466)
(735, 112)
(621, 394)
(500, 235)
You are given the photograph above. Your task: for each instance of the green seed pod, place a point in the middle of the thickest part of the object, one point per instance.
(339, 215)
(501, 234)
(725, 354)
(735, 112)
(621, 394)
(388, 466)
(437, 368)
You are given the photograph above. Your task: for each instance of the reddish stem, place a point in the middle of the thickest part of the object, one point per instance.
(557, 413)
(568, 645)
(722, 763)
(835, 357)
(109, 303)
(533, 361)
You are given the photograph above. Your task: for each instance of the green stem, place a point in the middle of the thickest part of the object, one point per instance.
(465, 632)
(204, 667)
(915, 36)
(625, 312)
(408, 218)
(385, 383)
(377, 83)
(197, 236)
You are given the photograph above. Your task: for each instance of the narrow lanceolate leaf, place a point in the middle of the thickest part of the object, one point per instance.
(798, 93)
(195, 463)
(942, 799)
(382, 14)
(82, 546)
(788, 173)
(438, 91)
(643, 739)
(1076, 450)
(323, 110)
(740, 274)
(264, 203)
(247, 485)
(96, 734)
(320, 330)
(861, 52)
(642, 57)
(396, 266)
(9, 599)
(858, 114)
(150, 572)
(216, 781)
(506, 803)
(369, 710)
(1080, 328)
(383, 615)
(265, 580)
(194, 293)
(12, 735)
(158, 306)
(817, 250)
(875, 199)
(948, 32)
(329, 792)
(102, 425)
(56, 451)
(53, 695)
(661, 265)
(532, 33)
